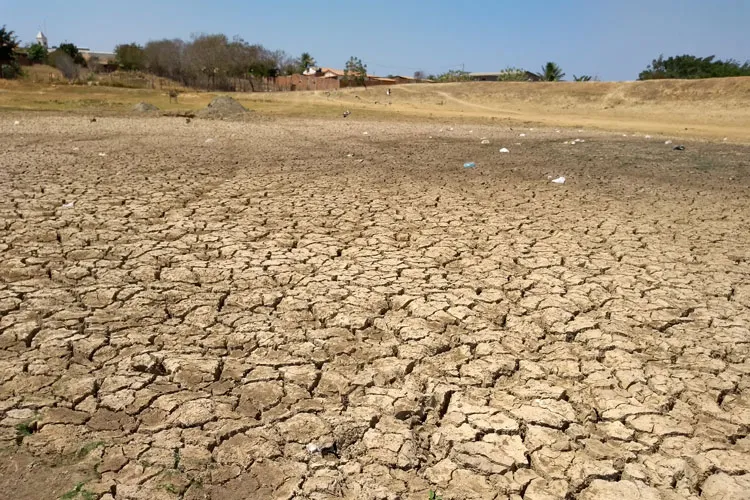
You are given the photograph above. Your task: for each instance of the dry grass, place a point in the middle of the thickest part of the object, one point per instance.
(700, 108)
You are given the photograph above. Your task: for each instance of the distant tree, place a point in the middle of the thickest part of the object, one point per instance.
(355, 71)
(306, 61)
(165, 58)
(73, 52)
(454, 75)
(582, 78)
(511, 74)
(692, 67)
(37, 53)
(431, 77)
(130, 57)
(420, 75)
(551, 72)
(8, 57)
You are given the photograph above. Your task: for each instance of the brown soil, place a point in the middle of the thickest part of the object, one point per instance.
(222, 107)
(204, 312)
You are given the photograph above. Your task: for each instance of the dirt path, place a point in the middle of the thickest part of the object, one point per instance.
(260, 315)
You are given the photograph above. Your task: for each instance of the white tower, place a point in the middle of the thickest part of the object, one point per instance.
(41, 39)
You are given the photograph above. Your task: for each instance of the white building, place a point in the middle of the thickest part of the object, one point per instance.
(41, 39)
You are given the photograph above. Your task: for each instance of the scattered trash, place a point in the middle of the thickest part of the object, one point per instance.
(485, 141)
(76, 148)
(521, 135)
(451, 129)
(647, 137)
(16, 123)
(430, 137)
(559, 180)
(210, 140)
(667, 142)
(470, 164)
(68, 205)
(102, 154)
(624, 135)
(725, 139)
(557, 131)
(679, 148)
(504, 150)
(347, 113)
(312, 448)
(471, 131)
(365, 133)
(531, 129)
(350, 155)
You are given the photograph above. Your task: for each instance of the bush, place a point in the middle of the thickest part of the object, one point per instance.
(511, 74)
(692, 67)
(62, 61)
(38, 53)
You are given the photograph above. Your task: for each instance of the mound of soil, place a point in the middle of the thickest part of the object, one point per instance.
(221, 107)
(144, 107)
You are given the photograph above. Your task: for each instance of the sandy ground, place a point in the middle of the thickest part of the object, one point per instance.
(279, 309)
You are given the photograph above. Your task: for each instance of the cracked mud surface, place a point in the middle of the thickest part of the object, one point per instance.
(263, 316)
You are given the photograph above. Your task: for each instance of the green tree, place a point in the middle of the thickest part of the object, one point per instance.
(511, 74)
(692, 67)
(73, 53)
(551, 72)
(8, 58)
(130, 57)
(37, 53)
(454, 75)
(355, 71)
(306, 61)
(582, 78)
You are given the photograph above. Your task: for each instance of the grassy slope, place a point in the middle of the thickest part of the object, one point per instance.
(704, 108)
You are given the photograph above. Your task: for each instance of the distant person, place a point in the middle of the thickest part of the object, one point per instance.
(388, 92)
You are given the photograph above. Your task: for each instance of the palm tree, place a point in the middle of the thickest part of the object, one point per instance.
(551, 72)
(306, 60)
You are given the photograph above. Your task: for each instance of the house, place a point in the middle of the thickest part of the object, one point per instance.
(100, 61)
(324, 73)
(493, 77)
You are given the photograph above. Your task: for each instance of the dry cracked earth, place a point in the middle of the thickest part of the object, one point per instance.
(293, 309)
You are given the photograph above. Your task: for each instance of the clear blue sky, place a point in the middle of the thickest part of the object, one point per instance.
(609, 38)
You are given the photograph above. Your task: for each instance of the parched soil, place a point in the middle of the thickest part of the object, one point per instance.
(294, 309)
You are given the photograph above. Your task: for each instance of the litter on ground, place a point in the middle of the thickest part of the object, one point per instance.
(470, 164)
(521, 135)
(504, 150)
(559, 180)
(485, 141)
(667, 142)
(68, 205)
(209, 141)
(102, 154)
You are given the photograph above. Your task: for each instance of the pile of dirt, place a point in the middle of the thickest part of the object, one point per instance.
(222, 107)
(144, 107)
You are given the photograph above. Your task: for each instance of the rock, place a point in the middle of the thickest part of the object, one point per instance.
(144, 107)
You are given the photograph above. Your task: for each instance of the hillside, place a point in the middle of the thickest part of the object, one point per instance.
(714, 108)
